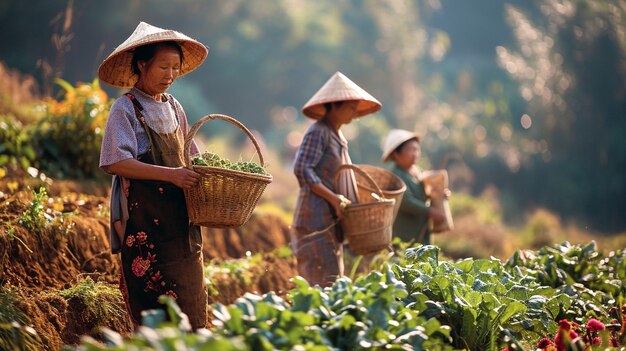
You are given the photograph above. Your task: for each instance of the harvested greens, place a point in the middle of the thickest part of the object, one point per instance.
(213, 160)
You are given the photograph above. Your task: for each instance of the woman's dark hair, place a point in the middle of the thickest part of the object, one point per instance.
(146, 53)
(328, 105)
(399, 148)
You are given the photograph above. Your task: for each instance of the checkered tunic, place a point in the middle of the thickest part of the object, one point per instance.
(322, 151)
(320, 257)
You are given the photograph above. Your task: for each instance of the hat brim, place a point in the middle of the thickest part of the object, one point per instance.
(116, 70)
(365, 107)
(386, 156)
(340, 88)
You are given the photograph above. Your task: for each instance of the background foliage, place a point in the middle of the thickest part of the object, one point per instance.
(526, 97)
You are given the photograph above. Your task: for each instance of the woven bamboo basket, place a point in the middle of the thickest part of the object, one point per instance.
(390, 184)
(367, 225)
(223, 198)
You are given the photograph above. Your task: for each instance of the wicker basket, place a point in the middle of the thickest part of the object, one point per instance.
(390, 184)
(367, 225)
(223, 198)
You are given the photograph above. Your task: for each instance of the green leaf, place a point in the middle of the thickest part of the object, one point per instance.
(509, 310)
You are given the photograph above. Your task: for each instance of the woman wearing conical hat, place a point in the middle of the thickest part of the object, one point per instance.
(315, 237)
(412, 222)
(161, 254)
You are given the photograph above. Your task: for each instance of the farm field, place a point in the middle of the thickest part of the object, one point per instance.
(59, 283)
(521, 102)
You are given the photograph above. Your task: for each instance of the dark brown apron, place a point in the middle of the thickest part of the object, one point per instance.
(161, 251)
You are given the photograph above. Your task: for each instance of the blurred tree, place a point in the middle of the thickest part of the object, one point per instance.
(549, 119)
(570, 62)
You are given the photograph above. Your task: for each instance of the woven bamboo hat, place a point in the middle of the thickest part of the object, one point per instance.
(116, 69)
(395, 138)
(340, 88)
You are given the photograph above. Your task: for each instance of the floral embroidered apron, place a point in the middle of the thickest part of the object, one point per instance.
(161, 251)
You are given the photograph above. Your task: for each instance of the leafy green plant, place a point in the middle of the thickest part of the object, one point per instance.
(366, 314)
(593, 283)
(69, 135)
(14, 332)
(33, 219)
(15, 145)
(480, 299)
(159, 334)
(101, 302)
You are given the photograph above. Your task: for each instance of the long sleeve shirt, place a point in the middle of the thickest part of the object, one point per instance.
(412, 219)
(321, 152)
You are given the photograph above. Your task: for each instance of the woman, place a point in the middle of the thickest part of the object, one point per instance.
(412, 222)
(316, 239)
(161, 253)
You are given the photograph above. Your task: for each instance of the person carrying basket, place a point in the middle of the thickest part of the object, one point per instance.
(315, 236)
(412, 221)
(161, 253)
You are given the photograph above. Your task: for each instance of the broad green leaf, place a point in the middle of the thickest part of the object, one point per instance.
(465, 264)
(508, 311)
(423, 253)
(518, 292)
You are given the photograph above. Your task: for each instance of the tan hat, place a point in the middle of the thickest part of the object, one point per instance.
(340, 88)
(394, 139)
(116, 69)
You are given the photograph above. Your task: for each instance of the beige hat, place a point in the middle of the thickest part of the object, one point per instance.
(394, 139)
(116, 69)
(340, 88)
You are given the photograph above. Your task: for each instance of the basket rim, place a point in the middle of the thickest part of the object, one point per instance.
(387, 172)
(384, 201)
(208, 169)
(194, 129)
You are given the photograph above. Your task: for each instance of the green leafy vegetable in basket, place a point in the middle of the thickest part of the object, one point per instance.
(213, 160)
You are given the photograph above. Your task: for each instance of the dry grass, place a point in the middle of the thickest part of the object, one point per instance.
(18, 92)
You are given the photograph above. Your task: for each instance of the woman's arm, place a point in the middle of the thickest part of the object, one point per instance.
(133, 169)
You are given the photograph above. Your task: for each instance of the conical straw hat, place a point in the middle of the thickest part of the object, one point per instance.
(340, 88)
(395, 137)
(116, 69)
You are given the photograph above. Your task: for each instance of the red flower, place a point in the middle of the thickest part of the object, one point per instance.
(565, 334)
(543, 343)
(565, 324)
(140, 266)
(171, 294)
(130, 240)
(594, 325)
(142, 237)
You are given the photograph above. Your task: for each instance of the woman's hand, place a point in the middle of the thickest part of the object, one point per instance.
(184, 178)
(339, 204)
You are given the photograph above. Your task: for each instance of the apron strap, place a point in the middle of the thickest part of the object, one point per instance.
(142, 121)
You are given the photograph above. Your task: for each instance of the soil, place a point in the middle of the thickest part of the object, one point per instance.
(74, 244)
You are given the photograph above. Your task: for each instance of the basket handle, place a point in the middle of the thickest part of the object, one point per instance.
(361, 172)
(197, 125)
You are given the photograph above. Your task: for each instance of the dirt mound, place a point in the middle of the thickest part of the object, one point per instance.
(44, 259)
(262, 233)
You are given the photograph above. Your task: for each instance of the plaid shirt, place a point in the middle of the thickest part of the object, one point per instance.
(322, 151)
